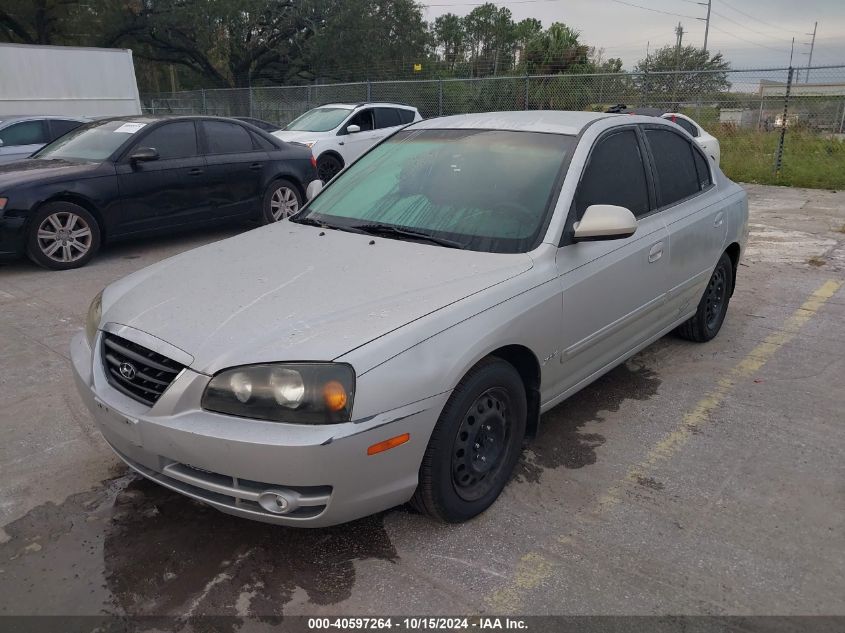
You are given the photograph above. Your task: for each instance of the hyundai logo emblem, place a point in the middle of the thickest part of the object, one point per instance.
(127, 370)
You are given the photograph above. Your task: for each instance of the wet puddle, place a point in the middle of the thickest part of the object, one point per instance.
(562, 442)
(132, 546)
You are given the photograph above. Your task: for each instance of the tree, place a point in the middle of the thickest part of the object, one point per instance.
(701, 75)
(556, 50)
(367, 39)
(524, 32)
(450, 37)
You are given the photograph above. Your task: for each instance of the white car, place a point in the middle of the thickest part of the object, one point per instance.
(338, 133)
(707, 142)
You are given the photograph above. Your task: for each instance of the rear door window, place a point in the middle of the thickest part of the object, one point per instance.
(615, 174)
(677, 177)
(172, 140)
(24, 133)
(227, 138)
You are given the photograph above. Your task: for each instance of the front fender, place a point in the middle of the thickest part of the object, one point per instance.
(436, 362)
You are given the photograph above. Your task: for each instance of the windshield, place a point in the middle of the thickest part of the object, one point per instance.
(319, 120)
(487, 190)
(93, 142)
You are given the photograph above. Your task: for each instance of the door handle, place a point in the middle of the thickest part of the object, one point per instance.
(340, 142)
(256, 166)
(720, 219)
(655, 253)
(196, 171)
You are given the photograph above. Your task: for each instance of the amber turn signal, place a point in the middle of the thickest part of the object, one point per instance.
(386, 445)
(334, 395)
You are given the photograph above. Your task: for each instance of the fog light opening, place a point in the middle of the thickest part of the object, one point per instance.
(276, 502)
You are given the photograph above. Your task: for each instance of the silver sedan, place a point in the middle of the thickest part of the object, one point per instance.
(399, 338)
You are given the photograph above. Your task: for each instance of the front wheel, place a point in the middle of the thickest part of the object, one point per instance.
(475, 444)
(62, 235)
(705, 324)
(327, 167)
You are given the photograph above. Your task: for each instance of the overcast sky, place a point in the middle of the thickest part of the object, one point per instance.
(748, 42)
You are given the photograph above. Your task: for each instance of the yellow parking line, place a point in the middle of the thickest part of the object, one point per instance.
(533, 568)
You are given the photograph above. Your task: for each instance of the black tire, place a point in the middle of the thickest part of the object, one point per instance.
(705, 324)
(62, 235)
(328, 166)
(484, 417)
(281, 200)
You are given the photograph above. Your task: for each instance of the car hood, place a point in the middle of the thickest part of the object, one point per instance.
(32, 170)
(293, 292)
(298, 137)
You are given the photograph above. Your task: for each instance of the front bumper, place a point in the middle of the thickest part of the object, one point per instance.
(323, 471)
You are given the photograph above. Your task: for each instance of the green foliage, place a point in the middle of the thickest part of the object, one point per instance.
(809, 159)
(654, 75)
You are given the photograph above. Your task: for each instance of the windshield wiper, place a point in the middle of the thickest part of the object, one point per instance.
(311, 222)
(389, 230)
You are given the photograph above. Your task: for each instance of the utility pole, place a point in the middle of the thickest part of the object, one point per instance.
(707, 24)
(679, 32)
(791, 51)
(812, 46)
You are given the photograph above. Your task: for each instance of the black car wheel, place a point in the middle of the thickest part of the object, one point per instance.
(62, 235)
(705, 324)
(281, 200)
(327, 167)
(475, 444)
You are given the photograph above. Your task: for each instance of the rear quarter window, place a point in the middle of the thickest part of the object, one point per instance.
(406, 116)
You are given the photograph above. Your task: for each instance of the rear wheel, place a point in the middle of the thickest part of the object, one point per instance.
(705, 324)
(475, 444)
(328, 166)
(62, 235)
(281, 200)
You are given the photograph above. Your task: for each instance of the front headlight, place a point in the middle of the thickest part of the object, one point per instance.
(92, 322)
(300, 393)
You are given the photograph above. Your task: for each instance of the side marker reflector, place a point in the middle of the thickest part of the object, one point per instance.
(386, 445)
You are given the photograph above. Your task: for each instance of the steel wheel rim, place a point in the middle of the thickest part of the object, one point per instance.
(714, 298)
(283, 203)
(64, 237)
(481, 444)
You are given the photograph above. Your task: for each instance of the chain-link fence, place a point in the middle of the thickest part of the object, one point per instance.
(781, 125)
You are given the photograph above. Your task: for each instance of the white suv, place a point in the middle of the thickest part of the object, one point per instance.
(338, 133)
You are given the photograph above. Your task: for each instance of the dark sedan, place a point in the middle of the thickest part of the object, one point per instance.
(120, 178)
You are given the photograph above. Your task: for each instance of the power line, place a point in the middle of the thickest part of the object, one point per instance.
(748, 15)
(734, 35)
(740, 24)
(639, 6)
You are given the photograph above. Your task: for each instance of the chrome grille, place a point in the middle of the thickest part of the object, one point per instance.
(136, 371)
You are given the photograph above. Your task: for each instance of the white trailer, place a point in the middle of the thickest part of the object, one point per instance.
(67, 81)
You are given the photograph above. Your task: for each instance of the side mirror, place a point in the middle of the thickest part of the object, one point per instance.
(352, 129)
(314, 187)
(144, 154)
(605, 222)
